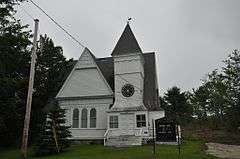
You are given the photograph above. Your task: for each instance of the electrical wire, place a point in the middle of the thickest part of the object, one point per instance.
(71, 36)
(56, 23)
(27, 13)
(128, 81)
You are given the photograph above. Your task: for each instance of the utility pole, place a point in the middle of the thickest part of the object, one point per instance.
(30, 92)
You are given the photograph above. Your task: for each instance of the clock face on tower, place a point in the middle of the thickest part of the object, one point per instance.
(127, 90)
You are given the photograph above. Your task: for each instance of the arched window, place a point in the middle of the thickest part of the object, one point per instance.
(93, 117)
(75, 123)
(84, 118)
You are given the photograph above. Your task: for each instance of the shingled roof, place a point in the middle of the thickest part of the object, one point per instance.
(127, 43)
(151, 96)
(106, 66)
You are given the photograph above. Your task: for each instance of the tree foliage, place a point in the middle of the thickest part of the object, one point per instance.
(200, 102)
(218, 98)
(52, 69)
(54, 137)
(14, 63)
(176, 105)
(231, 73)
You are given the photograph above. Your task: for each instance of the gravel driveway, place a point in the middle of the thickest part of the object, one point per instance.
(223, 151)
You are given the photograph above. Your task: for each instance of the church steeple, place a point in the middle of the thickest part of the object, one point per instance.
(127, 43)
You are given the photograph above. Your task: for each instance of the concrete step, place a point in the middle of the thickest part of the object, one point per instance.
(123, 141)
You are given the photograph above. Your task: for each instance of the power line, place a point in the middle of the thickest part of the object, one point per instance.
(128, 81)
(55, 22)
(27, 13)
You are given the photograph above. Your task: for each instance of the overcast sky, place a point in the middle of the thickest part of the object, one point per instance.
(190, 37)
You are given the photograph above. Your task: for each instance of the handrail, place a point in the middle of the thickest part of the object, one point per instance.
(140, 132)
(105, 137)
(105, 134)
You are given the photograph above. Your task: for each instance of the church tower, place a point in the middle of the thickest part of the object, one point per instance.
(128, 73)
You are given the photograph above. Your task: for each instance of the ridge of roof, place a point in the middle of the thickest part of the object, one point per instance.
(151, 95)
(88, 50)
(127, 43)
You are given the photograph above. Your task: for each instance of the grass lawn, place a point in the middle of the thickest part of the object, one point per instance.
(190, 150)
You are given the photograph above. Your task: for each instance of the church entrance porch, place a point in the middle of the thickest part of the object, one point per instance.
(122, 130)
(126, 123)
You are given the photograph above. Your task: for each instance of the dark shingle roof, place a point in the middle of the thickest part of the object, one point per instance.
(107, 68)
(151, 97)
(127, 43)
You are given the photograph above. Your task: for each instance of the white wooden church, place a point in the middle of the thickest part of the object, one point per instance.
(114, 99)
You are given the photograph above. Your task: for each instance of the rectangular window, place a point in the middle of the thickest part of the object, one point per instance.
(113, 121)
(141, 120)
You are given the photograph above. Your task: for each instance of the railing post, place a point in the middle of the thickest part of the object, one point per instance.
(154, 144)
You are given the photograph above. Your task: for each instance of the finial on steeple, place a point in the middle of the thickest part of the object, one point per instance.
(129, 19)
(127, 43)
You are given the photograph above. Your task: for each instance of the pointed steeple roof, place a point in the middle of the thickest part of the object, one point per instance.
(127, 43)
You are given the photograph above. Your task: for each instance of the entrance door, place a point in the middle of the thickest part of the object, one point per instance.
(165, 132)
(127, 123)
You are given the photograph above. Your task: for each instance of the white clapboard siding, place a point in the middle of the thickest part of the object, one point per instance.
(85, 79)
(85, 82)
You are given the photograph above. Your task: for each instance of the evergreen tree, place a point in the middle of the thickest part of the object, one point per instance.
(14, 64)
(52, 69)
(177, 107)
(163, 103)
(54, 137)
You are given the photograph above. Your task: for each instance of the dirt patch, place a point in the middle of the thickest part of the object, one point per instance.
(223, 150)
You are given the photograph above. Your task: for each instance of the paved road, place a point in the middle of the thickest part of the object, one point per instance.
(224, 151)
